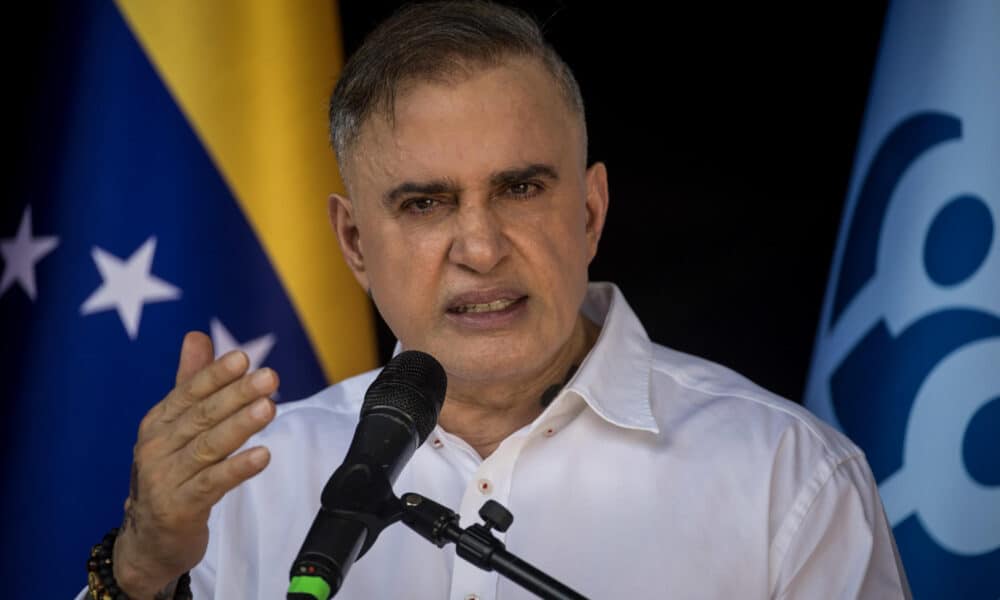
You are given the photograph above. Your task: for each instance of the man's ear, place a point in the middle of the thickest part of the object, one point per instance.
(344, 224)
(597, 205)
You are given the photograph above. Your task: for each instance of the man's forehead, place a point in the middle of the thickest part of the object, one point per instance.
(500, 117)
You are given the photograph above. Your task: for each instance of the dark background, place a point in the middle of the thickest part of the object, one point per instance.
(729, 134)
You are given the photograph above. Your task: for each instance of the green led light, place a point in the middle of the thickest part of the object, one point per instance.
(309, 584)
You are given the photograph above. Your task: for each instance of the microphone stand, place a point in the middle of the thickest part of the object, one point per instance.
(477, 544)
(375, 507)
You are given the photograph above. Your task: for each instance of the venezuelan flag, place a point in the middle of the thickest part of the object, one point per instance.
(176, 179)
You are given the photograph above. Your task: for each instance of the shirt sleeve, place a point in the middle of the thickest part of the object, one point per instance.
(840, 544)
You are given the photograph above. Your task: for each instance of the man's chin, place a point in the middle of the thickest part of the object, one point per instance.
(487, 365)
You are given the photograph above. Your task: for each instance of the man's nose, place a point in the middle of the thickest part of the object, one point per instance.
(479, 241)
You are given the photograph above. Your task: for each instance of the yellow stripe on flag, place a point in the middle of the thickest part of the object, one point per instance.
(253, 79)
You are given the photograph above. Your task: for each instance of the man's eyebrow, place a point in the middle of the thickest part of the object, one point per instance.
(437, 187)
(430, 188)
(518, 175)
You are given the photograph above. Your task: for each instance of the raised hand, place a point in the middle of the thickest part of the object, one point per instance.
(182, 465)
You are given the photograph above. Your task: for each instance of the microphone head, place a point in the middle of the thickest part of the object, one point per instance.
(412, 383)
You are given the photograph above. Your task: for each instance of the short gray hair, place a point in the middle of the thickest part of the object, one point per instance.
(433, 41)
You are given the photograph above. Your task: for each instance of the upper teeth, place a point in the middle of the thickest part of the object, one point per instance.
(488, 307)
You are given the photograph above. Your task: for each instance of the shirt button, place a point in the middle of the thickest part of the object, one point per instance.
(485, 486)
(549, 432)
(472, 597)
(437, 443)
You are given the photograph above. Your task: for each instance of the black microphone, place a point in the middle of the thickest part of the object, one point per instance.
(400, 409)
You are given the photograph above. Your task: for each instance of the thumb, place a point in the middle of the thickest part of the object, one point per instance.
(196, 354)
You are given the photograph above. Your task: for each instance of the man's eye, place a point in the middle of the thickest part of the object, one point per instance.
(525, 189)
(419, 205)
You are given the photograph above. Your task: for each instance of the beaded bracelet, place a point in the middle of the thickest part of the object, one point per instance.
(101, 584)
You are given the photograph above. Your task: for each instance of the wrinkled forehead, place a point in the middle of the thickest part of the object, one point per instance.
(469, 121)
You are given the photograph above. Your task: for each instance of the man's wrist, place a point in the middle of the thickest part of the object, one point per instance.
(138, 583)
(131, 579)
(135, 586)
(168, 592)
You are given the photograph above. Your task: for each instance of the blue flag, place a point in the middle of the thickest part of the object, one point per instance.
(176, 179)
(907, 358)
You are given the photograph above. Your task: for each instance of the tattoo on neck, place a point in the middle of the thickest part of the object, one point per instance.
(553, 390)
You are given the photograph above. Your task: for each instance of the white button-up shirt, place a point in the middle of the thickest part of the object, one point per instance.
(652, 474)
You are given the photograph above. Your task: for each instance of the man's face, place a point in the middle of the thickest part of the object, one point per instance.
(473, 218)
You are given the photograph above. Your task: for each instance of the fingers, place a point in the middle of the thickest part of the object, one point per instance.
(206, 419)
(206, 381)
(214, 377)
(215, 444)
(206, 451)
(196, 354)
(206, 414)
(211, 484)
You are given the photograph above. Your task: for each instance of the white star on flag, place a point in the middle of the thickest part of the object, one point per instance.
(256, 350)
(20, 255)
(128, 285)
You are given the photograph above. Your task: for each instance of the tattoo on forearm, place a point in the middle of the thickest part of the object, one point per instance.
(128, 521)
(133, 484)
(133, 494)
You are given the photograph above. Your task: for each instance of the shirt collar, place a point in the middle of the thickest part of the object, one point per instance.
(614, 377)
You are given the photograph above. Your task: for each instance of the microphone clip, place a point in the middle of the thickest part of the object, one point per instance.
(362, 493)
(439, 525)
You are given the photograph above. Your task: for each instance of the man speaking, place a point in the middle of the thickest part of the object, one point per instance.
(471, 216)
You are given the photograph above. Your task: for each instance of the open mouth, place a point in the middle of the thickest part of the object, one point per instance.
(495, 306)
(500, 305)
